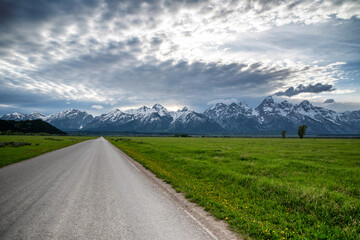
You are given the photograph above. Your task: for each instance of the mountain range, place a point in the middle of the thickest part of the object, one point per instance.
(269, 117)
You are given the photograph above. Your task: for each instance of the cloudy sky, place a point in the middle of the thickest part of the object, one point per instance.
(101, 55)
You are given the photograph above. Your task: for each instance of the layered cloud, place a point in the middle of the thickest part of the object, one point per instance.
(174, 52)
(113, 82)
(317, 88)
(97, 107)
(330, 100)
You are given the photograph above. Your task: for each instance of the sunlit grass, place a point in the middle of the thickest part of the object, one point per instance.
(39, 145)
(264, 188)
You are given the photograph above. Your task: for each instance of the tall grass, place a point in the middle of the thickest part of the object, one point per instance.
(263, 188)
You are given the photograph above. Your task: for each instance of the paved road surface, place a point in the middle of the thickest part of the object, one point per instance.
(87, 191)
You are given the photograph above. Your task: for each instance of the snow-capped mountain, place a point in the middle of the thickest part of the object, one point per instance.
(156, 119)
(21, 117)
(349, 119)
(187, 121)
(272, 117)
(269, 117)
(234, 118)
(144, 119)
(71, 119)
(36, 115)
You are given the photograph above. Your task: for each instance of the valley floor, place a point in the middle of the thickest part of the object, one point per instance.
(264, 188)
(87, 191)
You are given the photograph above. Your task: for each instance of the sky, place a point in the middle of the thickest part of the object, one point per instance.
(102, 55)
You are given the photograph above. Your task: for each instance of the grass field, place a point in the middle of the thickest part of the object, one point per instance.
(263, 188)
(39, 145)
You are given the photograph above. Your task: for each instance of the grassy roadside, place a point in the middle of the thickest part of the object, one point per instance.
(264, 188)
(39, 145)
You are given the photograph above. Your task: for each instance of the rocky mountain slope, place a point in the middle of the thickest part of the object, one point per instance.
(71, 119)
(271, 118)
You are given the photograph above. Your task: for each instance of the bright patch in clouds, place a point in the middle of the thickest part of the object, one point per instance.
(173, 108)
(5, 106)
(128, 108)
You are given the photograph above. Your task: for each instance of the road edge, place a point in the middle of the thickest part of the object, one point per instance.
(218, 229)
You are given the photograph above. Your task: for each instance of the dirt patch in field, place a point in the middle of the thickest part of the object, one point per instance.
(14, 144)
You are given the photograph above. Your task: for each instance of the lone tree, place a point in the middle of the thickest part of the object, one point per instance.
(302, 131)
(283, 132)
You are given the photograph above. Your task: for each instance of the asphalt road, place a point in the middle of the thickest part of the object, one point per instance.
(88, 191)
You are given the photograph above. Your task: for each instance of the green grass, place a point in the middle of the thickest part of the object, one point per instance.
(39, 145)
(263, 188)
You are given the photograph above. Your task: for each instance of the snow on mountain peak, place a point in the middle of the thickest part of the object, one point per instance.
(244, 106)
(218, 108)
(305, 103)
(62, 114)
(162, 111)
(235, 118)
(268, 99)
(37, 115)
(180, 114)
(143, 108)
(70, 110)
(306, 106)
(185, 109)
(112, 116)
(20, 116)
(145, 111)
(13, 116)
(268, 106)
(286, 104)
(158, 106)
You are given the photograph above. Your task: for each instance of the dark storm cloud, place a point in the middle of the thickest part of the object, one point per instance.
(14, 12)
(40, 11)
(201, 80)
(120, 76)
(329, 101)
(26, 101)
(317, 88)
(43, 10)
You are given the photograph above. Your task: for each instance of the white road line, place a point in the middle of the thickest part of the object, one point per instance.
(201, 225)
(133, 165)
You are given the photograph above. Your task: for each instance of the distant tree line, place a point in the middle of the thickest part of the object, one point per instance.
(9, 132)
(182, 135)
(31, 127)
